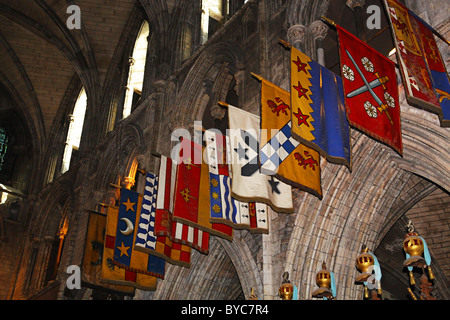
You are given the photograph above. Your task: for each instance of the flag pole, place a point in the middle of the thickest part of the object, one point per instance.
(286, 44)
(257, 76)
(223, 104)
(328, 21)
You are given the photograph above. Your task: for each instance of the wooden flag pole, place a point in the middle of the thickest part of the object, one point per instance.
(223, 104)
(257, 76)
(286, 44)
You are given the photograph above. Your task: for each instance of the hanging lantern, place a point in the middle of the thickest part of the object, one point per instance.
(253, 296)
(370, 277)
(286, 290)
(417, 254)
(325, 281)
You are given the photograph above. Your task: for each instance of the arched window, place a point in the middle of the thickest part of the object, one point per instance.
(137, 68)
(215, 13)
(3, 146)
(212, 17)
(75, 129)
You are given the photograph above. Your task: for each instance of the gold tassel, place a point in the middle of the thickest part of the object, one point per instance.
(366, 292)
(430, 273)
(413, 296)
(411, 278)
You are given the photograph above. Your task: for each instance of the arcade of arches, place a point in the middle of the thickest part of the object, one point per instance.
(188, 59)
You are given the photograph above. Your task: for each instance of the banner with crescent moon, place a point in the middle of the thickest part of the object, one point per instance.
(121, 263)
(127, 225)
(93, 254)
(118, 274)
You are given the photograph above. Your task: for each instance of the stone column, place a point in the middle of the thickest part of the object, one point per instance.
(297, 36)
(319, 31)
(357, 7)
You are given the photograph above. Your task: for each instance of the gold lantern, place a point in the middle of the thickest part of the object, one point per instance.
(286, 290)
(368, 265)
(417, 254)
(324, 281)
(364, 262)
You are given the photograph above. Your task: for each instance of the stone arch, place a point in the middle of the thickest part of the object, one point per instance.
(240, 254)
(206, 81)
(125, 143)
(356, 206)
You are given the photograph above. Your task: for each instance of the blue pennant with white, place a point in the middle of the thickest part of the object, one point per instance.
(145, 236)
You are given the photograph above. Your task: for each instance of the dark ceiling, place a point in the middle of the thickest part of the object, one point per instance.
(339, 12)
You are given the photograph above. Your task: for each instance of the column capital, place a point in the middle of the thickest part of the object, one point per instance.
(318, 29)
(297, 34)
(355, 3)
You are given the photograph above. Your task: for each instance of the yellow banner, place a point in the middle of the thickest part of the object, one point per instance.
(292, 162)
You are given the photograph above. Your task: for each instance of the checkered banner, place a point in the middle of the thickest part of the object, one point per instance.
(280, 146)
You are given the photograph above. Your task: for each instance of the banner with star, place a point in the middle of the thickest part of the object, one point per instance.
(319, 116)
(125, 255)
(281, 155)
(370, 91)
(423, 70)
(248, 183)
(222, 206)
(146, 239)
(93, 254)
(121, 264)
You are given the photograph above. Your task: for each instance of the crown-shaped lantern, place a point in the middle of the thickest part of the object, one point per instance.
(286, 290)
(367, 264)
(417, 254)
(325, 281)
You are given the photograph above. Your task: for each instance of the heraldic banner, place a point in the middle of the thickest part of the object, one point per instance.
(121, 263)
(319, 116)
(223, 207)
(282, 155)
(146, 239)
(248, 183)
(370, 90)
(93, 255)
(423, 70)
(178, 253)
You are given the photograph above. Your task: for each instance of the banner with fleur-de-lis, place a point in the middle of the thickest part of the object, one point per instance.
(370, 91)
(189, 197)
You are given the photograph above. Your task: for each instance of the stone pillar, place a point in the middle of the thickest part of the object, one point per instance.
(297, 36)
(319, 31)
(357, 7)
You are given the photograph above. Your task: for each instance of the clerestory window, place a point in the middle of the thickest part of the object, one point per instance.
(137, 69)
(215, 13)
(75, 129)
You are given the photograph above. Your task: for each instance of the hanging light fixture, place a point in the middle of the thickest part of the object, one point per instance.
(286, 290)
(327, 285)
(370, 277)
(417, 254)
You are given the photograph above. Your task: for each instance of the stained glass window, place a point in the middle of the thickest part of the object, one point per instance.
(3, 146)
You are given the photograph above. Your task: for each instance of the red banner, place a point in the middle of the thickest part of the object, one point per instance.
(370, 90)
